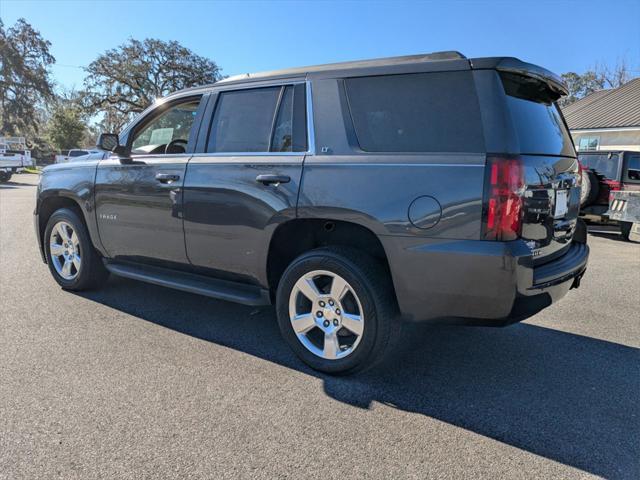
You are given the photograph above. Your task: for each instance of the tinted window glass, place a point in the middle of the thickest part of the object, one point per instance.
(633, 168)
(243, 120)
(282, 140)
(605, 164)
(173, 125)
(423, 112)
(536, 118)
(77, 153)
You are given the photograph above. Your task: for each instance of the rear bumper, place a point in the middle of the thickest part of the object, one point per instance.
(478, 282)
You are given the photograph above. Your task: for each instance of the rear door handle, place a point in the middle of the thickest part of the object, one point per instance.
(167, 177)
(267, 179)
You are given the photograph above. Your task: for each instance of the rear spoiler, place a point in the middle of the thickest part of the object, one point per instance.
(518, 67)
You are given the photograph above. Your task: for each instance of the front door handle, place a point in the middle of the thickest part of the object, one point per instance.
(167, 177)
(267, 179)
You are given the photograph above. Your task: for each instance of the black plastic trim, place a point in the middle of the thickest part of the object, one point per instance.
(571, 264)
(192, 283)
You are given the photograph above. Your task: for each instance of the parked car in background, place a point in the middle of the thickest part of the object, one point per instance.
(624, 208)
(94, 155)
(14, 156)
(60, 157)
(353, 196)
(604, 173)
(74, 153)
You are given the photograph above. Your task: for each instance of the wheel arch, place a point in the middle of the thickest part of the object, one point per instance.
(294, 237)
(50, 202)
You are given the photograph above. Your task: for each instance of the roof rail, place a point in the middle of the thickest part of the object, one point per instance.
(445, 55)
(425, 57)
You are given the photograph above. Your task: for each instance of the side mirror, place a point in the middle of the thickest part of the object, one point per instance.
(111, 143)
(108, 141)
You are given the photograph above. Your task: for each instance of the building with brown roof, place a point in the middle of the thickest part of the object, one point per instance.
(607, 119)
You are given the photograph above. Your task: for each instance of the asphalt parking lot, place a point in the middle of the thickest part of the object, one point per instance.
(137, 381)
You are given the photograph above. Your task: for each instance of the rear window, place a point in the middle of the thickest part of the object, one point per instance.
(633, 168)
(606, 164)
(421, 112)
(536, 118)
(77, 153)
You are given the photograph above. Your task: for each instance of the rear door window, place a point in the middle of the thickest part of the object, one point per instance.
(420, 112)
(270, 119)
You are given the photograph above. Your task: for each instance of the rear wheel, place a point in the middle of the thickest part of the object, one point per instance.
(5, 176)
(336, 310)
(72, 260)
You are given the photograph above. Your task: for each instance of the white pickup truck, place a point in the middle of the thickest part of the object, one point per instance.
(14, 156)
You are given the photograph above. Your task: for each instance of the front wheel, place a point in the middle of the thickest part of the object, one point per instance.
(72, 260)
(336, 310)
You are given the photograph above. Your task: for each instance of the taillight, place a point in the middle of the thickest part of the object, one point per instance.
(503, 198)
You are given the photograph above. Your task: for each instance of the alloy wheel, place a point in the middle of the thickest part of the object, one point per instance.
(326, 314)
(64, 247)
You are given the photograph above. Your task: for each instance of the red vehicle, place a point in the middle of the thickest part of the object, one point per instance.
(602, 174)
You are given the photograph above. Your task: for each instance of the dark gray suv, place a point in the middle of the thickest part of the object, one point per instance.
(354, 196)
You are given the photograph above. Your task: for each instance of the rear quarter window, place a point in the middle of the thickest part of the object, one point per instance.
(422, 112)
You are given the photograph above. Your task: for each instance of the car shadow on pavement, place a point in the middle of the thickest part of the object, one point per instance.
(566, 397)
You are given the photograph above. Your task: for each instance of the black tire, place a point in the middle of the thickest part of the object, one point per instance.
(371, 282)
(590, 188)
(5, 176)
(625, 229)
(92, 272)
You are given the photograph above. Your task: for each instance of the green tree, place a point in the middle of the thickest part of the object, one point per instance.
(66, 128)
(580, 85)
(124, 81)
(600, 77)
(25, 79)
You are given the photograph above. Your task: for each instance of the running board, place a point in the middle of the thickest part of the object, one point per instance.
(192, 283)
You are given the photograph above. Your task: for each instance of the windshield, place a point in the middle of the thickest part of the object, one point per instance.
(607, 164)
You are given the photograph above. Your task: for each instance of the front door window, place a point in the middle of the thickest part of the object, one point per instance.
(167, 132)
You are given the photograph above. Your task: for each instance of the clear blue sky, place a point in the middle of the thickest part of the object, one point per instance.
(248, 36)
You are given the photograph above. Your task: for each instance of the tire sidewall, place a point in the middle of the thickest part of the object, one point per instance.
(86, 248)
(348, 270)
(594, 188)
(585, 192)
